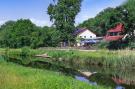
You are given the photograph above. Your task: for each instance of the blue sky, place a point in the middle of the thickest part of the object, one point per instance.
(35, 10)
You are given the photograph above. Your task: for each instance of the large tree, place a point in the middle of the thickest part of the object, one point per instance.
(63, 13)
(101, 23)
(130, 18)
(23, 32)
(16, 34)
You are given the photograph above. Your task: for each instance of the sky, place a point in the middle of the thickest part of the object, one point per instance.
(36, 10)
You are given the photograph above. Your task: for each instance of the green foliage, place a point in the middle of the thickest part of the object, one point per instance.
(18, 77)
(119, 58)
(103, 45)
(109, 17)
(130, 20)
(25, 51)
(6, 51)
(17, 34)
(131, 45)
(112, 45)
(63, 15)
(24, 33)
(101, 22)
(45, 37)
(78, 39)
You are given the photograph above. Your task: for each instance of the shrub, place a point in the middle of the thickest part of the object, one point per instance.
(117, 44)
(25, 51)
(103, 45)
(132, 45)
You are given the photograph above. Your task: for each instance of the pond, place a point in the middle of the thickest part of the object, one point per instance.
(117, 78)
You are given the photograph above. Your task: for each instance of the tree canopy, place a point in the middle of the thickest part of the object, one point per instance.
(130, 20)
(24, 33)
(63, 13)
(109, 17)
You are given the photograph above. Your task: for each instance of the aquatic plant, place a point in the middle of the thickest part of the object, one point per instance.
(119, 58)
(13, 76)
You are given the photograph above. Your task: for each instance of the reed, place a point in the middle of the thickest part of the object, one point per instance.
(119, 58)
(13, 76)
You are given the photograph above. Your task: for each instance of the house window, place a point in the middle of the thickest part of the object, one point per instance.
(120, 33)
(90, 36)
(84, 36)
(113, 33)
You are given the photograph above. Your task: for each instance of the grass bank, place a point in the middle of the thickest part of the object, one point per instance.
(13, 76)
(119, 58)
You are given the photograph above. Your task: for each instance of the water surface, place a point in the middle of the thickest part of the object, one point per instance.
(117, 78)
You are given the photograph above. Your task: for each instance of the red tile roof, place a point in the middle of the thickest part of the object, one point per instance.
(118, 28)
(113, 38)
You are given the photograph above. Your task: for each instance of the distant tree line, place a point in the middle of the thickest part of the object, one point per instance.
(21, 33)
(109, 17)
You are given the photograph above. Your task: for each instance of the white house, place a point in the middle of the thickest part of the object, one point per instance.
(84, 36)
(87, 34)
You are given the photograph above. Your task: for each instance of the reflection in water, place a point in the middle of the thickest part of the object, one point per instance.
(81, 78)
(85, 80)
(117, 78)
(119, 87)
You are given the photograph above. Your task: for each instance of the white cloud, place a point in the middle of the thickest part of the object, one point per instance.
(35, 21)
(41, 22)
(2, 22)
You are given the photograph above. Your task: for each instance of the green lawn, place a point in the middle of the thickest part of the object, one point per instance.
(13, 76)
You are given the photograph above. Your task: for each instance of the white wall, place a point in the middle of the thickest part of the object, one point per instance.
(87, 35)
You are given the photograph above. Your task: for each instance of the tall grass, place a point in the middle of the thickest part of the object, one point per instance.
(119, 58)
(17, 77)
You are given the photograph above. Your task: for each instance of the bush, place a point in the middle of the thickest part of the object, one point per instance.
(6, 51)
(115, 45)
(25, 51)
(103, 45)
(132, 45)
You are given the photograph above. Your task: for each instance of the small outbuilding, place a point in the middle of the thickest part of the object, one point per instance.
(116, 33)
